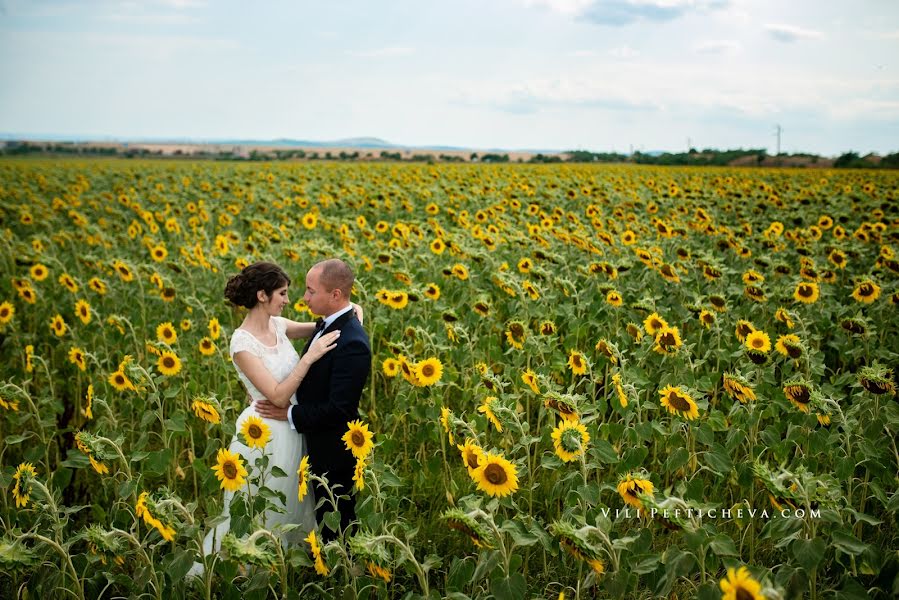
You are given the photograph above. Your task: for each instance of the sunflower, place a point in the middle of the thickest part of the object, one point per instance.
(516, 333)
(429, 371)
(206, 346)
(679, 402)
(706, 318)
(76, 357)
(432, 291)
(634, 331)
(359, 474)
(481, 307)
(230, 470)
(58, 326)
(667, 340)
(619, 389)
(472, 455)
(577, 362)
(739, 585)
(613, 298)
(83, 311)
(758, 341)
(303, 478)
(564, 405)
(460, 271)
(496, 476)
(529, 378)
(798, 392)
(397, 300)
(547, 328)
(630, 489)
(39, 272)
(124, 271)
(255, 432)
(390, 367)
(320, 567)
(167, 333)
(120, 381)
(653, 323)
(168, 364)
(789, 345)
(66, 281)
(158, 253)
(570, 439)
(806, 292)
(27, 294)
(738, 387)
(669, 273)
(446, 416)
(751, 277)
(459, 520)
(877, 379)
(866, 292)
(309, 220)
(87, 411)
(487, 409)
(408, 371)
(755, 293)
(437, 246)
(358, 439)
(168, 294)
(7, 312)
(743, 329)
(97, 285)
(572, 541)
(719, 303)
(837, 258)
(206, 411)
(21, 491)
(215, 329)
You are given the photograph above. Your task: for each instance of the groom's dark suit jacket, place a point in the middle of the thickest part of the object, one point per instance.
(329, 398)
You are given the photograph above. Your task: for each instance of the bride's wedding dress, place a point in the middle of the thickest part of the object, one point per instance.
(285, 449)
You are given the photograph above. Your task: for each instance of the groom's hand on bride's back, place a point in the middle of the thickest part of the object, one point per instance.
(270, 411)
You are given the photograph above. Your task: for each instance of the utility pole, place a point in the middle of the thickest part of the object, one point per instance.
(689, 145)
(777, 133)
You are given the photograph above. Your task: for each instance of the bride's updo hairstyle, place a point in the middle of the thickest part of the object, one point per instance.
(241, 288)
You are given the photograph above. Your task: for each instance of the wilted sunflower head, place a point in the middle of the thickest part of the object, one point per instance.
(799, 392)
(459, 520)
(877, 379)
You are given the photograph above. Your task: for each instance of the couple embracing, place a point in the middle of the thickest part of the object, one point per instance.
(307, 399)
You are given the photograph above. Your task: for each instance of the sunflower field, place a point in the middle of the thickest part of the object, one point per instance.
(588, 382)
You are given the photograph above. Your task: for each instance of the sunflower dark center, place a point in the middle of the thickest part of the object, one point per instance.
(758, 343)
(495, 474)
(427, 370)
(358, 439)
(230, 470)
(805, 291)
(120, 379)
(743, 594)
(666, 339)
(576, 360)
(168, 362)
(254, 431)
(678, 402)
(865, 289)
(800, 393)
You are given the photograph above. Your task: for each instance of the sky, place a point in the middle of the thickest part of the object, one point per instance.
(599, 75)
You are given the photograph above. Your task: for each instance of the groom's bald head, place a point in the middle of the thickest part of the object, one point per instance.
(334, 274)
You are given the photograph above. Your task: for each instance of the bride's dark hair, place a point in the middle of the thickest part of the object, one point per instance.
(241, 288)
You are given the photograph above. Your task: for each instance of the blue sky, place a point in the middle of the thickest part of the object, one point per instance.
(600, 75)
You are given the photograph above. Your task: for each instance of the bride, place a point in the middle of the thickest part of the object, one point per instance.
(271, 369)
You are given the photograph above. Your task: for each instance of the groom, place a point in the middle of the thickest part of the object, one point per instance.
(329, 393)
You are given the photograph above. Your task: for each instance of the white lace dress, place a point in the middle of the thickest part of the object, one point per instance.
(285, 449)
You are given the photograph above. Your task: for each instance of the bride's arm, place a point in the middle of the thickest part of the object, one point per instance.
(279, 393)
(297, 329)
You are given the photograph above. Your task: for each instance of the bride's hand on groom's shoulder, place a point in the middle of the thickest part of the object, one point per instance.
(322, 346)
(359, 313)
(269, 411)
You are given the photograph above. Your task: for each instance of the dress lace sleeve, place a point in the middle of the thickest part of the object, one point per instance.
(241, 341)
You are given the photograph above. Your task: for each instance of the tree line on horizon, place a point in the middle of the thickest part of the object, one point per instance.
(694, 157)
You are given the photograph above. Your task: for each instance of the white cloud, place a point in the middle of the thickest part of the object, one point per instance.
(791, 33)
(717, 47)
(388, 52)
(626, 12)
